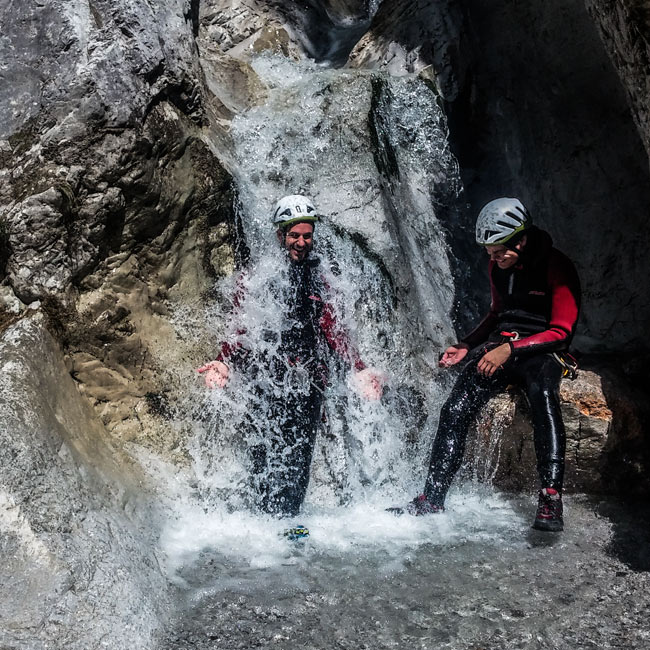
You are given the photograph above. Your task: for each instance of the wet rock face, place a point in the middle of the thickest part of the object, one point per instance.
(329, 30)
(103, 155)
(111, 204)
(103, 62)
(625, 28)
(411, 36)
(538, 111)
(76, 531)
(541, 114)
(607, 451)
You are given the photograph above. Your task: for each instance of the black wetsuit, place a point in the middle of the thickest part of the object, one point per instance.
(292, 398)
(287, 410)
(536, 302)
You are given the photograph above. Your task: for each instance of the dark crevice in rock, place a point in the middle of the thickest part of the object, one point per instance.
(382, 150)
(7, 319)
(5, 247)
(96, 16)
(626, 385)
(155, 73)
(194, 16)
(186, 97)
(540, 114)
(447, 209)
(330, 33)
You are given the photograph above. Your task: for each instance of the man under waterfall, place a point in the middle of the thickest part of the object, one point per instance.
(289, 363)
(523, 340)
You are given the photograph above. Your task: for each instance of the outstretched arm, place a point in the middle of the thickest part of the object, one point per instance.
(216, 373)
(367, 382)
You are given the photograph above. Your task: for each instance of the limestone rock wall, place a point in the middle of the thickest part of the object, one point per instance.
(114, 210)
(77, 527)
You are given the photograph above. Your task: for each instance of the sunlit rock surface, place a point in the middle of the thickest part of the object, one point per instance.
(112, 207)
(77, 538)
(416, 37)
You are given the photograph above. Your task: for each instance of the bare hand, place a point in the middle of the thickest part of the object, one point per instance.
(369, 383)
(452, 355)
(491, 361)
(215, 374)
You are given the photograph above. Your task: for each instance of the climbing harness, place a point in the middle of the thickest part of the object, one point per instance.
(568, 363)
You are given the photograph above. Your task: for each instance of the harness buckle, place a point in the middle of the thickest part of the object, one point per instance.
(513, 336)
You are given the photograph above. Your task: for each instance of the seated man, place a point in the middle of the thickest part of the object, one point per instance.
(294, 363)
(522, 340)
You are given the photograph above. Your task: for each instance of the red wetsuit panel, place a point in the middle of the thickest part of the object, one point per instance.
(564, 287)
(541, 302)
(338, 339)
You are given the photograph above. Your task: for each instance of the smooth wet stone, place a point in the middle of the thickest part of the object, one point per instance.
(77, 530)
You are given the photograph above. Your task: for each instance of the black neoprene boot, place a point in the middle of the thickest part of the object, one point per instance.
(549, 511)
(421, 505)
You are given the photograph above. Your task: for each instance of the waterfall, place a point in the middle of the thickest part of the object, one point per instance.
(372, 152)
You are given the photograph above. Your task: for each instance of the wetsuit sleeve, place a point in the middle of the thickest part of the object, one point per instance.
(338, 339)
(483, 330)
(564, 286)
(229, 350)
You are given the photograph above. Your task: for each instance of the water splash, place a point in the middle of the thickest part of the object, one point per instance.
(372, 151)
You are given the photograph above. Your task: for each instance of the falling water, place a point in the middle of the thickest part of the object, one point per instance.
(372, 151)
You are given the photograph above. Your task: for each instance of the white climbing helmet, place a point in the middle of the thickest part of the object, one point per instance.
(500, 220)
(294, 209)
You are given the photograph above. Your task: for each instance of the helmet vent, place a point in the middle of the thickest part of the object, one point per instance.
(519, 217)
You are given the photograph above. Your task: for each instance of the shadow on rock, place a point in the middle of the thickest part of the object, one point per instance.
(630, 541)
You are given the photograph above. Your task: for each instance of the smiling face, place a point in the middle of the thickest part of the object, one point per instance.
(504, 257)
(298, 240)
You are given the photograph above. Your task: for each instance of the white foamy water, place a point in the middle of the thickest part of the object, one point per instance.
(248, 541)
(372, 152)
